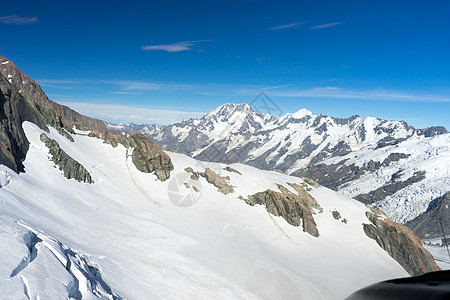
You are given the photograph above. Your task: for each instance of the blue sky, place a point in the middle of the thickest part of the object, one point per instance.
(148, 61)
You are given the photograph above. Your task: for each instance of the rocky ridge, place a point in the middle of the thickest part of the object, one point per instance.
(296, 209)
(53, 114)
(400, 242)
(22, 99)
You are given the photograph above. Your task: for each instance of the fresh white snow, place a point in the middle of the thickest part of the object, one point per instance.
(146, 247)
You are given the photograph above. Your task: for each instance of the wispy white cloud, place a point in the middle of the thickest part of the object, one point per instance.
(135, 114)
(56, 81)
(328, 25)
(264, 89)
(15, 19)
(286, 26)
(136, 85)
(125, 93)
(339, 93)
(62, 84)
(175, 47)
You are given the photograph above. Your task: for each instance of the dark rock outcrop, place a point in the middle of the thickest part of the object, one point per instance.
(53, 113)
(230, 169)
(296, 209)
(194, 175)
(14, 110)
(70, 167)
(336, 215)
(221, 182)
(400, 243)
(428, 224)
(432, 131)
(146, 156)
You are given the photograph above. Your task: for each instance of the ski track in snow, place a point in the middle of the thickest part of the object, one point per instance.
(130, 166)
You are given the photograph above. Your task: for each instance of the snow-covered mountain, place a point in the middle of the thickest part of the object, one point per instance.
(101, 214)
(388, 164)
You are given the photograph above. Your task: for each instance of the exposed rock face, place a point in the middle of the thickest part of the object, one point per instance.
(14, 110)
(432, 131)
(428, 224)
(400, 242)
(221, 182)
(70, 167)
(296, 209)
(194, 175)
(336, 215)
(53, 113)
(146, 156)
(230, 169)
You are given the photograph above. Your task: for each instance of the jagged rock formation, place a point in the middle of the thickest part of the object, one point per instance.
(220, 182)
(400, 242)
(296, 209)
(336, 215)
(53, 113)
(14, 110)
(70, 167)
(230, 169)
(194, 175)
(428, 224)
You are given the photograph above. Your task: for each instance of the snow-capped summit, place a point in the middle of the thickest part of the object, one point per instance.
(234, 118)
(301, 113)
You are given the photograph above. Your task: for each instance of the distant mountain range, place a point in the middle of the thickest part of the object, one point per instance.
(388, 164)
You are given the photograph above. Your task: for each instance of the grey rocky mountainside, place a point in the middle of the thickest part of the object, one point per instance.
(22, 99)
(370, 159)
(428, 224)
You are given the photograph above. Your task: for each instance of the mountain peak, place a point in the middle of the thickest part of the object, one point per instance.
(233, 107)
(301, 113)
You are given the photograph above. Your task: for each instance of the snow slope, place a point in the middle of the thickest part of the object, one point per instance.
(124, 236)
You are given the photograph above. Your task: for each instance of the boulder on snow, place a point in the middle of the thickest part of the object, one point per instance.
(296, 209)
